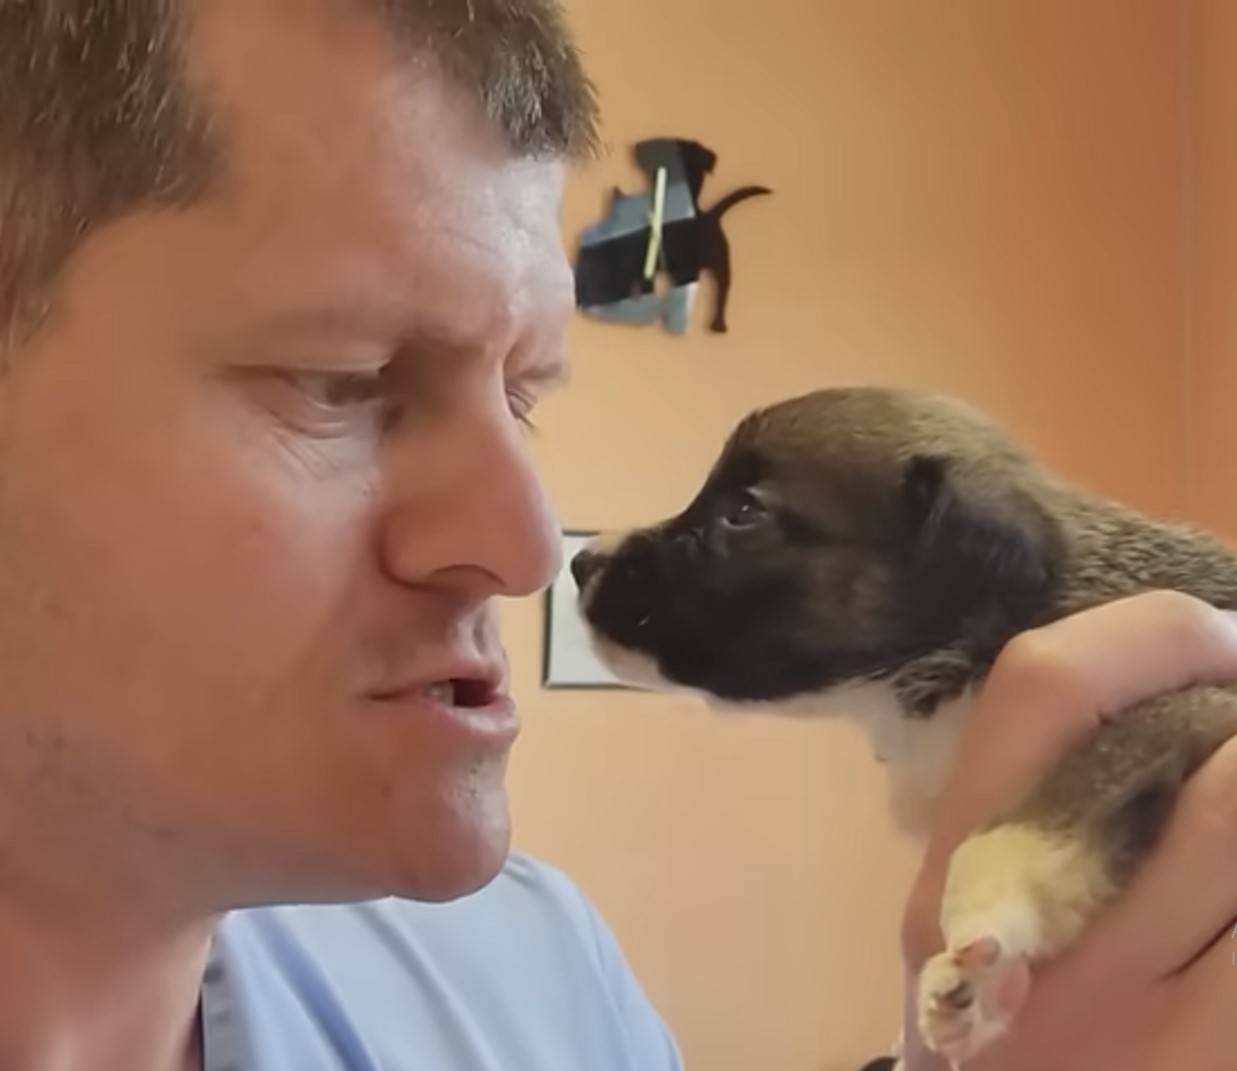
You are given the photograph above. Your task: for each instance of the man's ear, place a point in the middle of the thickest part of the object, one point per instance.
(972, 534)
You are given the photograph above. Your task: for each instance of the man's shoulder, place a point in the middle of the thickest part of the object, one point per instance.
(524, 965)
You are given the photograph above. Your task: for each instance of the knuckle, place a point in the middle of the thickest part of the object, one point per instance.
(1192, 623)
(1038, 661)
(1176, 608)
(1073, 658)
(1197, 636)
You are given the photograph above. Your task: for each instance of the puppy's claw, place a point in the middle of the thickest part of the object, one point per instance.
(961, 997)
(968, 998)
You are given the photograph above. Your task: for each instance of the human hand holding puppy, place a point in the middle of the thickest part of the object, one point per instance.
(1150, 985)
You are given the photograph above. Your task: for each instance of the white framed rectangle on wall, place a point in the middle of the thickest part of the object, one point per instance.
(568, 660)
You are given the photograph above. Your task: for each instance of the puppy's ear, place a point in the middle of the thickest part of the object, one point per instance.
(972, 534)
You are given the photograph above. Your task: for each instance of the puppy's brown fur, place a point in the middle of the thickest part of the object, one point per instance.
(869, 552)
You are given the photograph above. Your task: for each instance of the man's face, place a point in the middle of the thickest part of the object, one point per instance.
(264, 477)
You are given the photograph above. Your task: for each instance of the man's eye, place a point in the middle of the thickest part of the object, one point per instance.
(331, 403)
(339, 390)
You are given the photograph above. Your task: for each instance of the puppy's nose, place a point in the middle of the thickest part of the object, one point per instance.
(586, 564)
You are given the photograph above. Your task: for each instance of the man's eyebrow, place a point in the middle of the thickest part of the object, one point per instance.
(362, 318)
(405, 333)
(401, 329)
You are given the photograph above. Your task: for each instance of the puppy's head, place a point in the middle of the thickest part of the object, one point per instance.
(838, 536)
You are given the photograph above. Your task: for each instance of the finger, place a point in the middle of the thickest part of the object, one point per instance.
(1052, 686)
(1183, 896)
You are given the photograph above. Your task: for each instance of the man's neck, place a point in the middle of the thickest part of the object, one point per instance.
(101, 989)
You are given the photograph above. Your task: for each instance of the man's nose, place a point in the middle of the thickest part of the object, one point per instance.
(486, 515)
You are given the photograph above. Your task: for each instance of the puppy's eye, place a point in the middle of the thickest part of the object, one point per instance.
(744, 512)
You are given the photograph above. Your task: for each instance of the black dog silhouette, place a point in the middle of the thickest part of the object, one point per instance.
(610, 266)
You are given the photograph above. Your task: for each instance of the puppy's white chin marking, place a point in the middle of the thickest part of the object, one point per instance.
(631, 667)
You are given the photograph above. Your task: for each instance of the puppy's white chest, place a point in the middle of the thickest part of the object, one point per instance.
(917, 753)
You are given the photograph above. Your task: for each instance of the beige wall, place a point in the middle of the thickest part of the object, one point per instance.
(1213, 241)
(983, 198)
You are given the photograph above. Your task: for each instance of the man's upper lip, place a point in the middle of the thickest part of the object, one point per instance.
(492, 673)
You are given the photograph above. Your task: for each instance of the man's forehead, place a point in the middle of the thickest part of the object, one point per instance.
(309, 82)
(367, 193)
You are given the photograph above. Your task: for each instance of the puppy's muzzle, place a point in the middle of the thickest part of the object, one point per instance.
(585, 565)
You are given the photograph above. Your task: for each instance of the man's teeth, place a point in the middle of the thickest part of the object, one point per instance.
(440, 692)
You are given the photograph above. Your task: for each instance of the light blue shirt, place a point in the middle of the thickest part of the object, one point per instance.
(521, 976)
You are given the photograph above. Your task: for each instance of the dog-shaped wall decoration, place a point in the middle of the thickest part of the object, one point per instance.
(664, 232)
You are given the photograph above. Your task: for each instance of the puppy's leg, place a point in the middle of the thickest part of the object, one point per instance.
(1023, 887)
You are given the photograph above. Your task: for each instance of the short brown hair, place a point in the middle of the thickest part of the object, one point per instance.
(96, 119)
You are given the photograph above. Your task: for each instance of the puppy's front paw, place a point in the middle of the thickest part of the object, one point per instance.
(968, 997)
(1013, 895)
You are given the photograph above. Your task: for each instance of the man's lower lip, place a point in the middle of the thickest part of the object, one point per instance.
(497, 720)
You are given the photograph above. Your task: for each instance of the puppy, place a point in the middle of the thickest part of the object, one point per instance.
(867, 553)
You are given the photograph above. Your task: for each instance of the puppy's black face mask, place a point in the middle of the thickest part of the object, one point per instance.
(787, 575)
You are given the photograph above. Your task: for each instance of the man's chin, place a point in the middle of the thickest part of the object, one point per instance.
(456, 857)
(431, 878)
(455, 874)
(448, 846)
